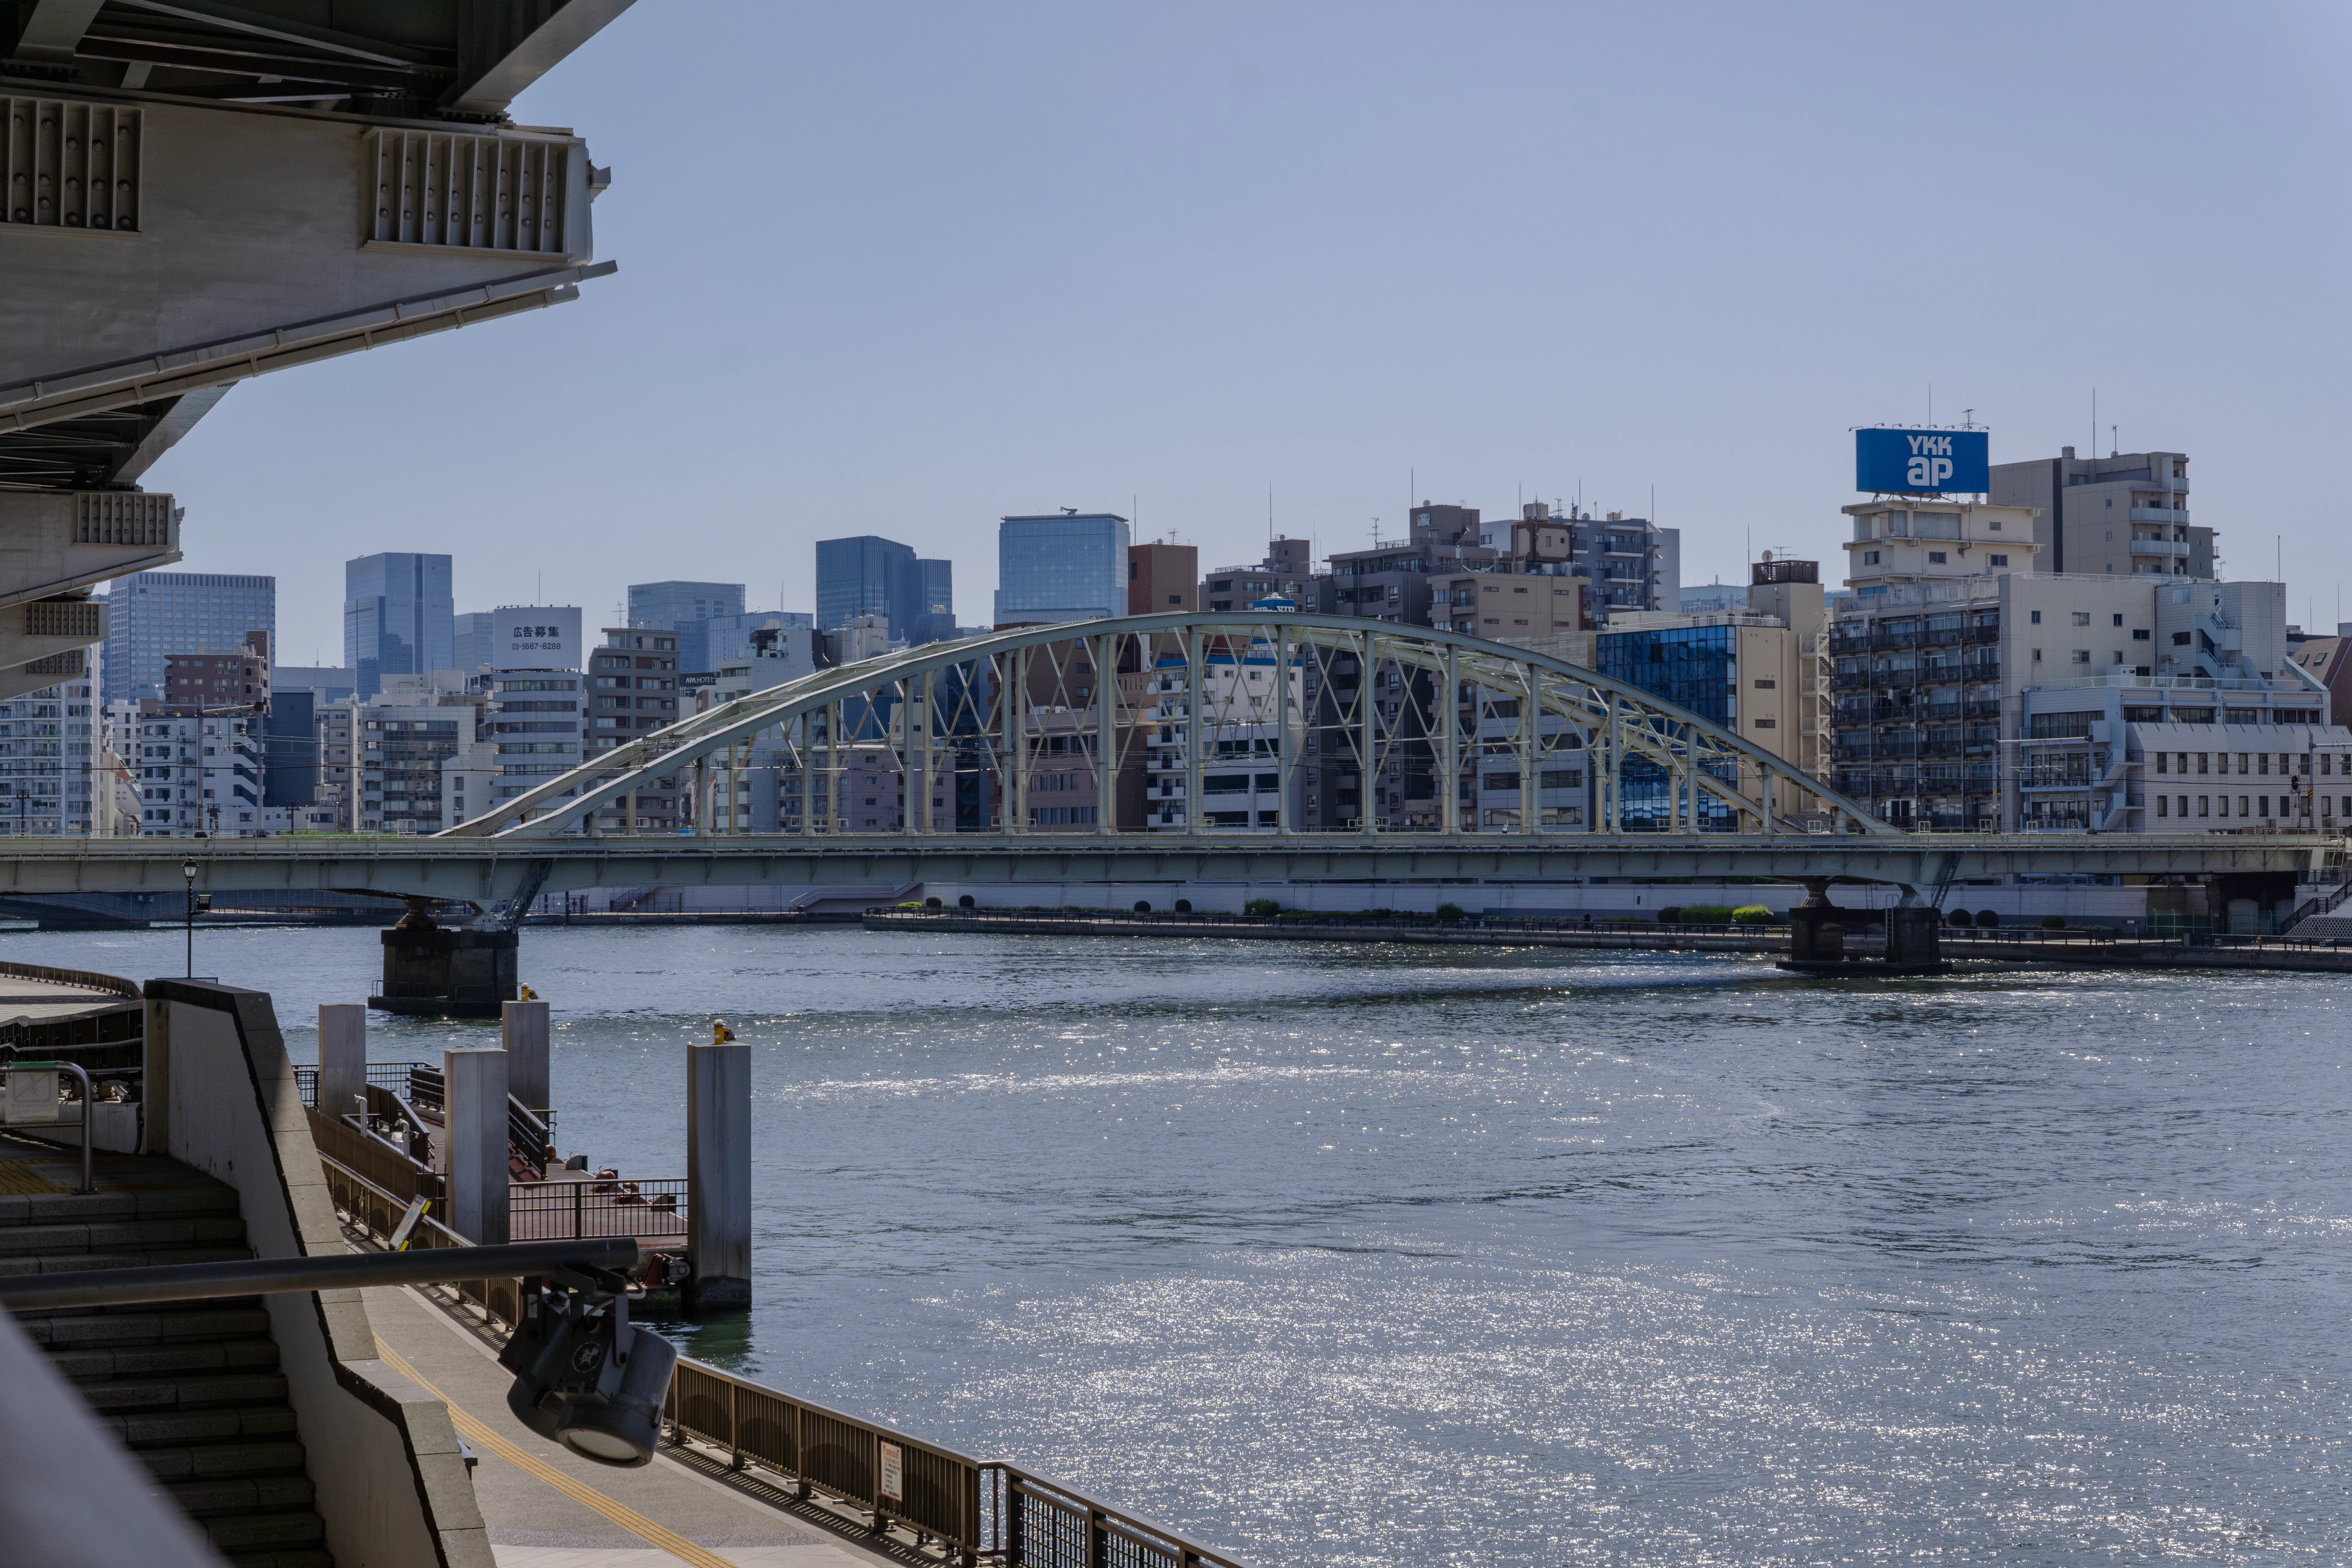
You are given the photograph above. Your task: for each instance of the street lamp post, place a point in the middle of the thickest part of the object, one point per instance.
(188, 870)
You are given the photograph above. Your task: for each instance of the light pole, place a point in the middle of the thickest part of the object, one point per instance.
(188, 870)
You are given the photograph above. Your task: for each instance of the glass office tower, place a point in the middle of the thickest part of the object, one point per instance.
(399, 617)
(1067, 567)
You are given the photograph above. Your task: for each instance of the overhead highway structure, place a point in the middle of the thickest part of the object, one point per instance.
(192, 194)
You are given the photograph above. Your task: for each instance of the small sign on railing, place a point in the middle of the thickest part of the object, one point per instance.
(893, 1488)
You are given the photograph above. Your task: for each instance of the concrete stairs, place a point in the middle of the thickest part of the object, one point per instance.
(193, 1389)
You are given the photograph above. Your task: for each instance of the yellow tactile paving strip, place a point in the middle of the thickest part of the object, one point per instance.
(627, 1517)
(16, 1176)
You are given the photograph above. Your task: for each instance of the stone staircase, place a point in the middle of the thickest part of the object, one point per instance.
(193, 1388)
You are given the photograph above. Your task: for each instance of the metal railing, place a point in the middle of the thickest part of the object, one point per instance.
(89, 1115)
(978, 1507)
(549, 1211)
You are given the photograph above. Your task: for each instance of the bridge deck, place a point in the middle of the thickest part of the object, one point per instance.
(489, 870)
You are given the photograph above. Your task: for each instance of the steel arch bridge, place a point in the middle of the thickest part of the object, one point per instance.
(1179, 725)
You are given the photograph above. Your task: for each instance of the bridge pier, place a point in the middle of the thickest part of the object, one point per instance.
(432, 972)
(1817, 930)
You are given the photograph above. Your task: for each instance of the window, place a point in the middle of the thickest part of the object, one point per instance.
(2082, 656)
(1994, 523)
(2162, 758)
(2082, 617)
(1937, 558)
(1870, 558)
(2037, 656)
(2139, 634)
(2037, 617)
(1999, 560)
(2159, 807)
(1766, 724)
(2202, 802)
(1766, 685)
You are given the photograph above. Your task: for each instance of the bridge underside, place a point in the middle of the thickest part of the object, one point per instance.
(485, 872)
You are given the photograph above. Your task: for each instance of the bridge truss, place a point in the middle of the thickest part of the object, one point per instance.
(1189, 724)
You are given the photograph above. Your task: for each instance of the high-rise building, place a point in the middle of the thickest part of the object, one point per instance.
(47, 765)
(871, 576)
(470, 639)
(1070, 566)
(670, 606)
(536, 718)
(856, 577)
(2125, 514)
(632, 682)
(399, 617)
(154, 613)
(197, 773)
(931, 614)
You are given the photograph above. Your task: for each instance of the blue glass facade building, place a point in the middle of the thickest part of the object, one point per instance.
(1068, 567)
(153, 613)
(399, 617)
(871, 576)
(1696, 667)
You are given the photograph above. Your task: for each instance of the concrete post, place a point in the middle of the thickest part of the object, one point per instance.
(523, 1029)
(342, 1057)
(718, 1175)
(473, 1084)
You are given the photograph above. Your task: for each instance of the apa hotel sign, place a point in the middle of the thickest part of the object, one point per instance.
(1927, 462)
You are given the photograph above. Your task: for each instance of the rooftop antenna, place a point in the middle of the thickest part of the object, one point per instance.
(2095, 419)
(1967, 418)
(2114, 443)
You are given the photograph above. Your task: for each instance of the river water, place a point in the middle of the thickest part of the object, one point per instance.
(1342, 1255)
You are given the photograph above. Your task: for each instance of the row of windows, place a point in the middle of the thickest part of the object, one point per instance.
(2178, 762)
(2177, 805)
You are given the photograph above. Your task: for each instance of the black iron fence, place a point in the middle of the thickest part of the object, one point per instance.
(556, 1210)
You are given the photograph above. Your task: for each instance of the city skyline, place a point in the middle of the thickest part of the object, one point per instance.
(1706, 307)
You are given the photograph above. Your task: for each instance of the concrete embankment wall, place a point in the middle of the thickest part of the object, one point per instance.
(1764, 941)
(2120, 907)
(383, 1454)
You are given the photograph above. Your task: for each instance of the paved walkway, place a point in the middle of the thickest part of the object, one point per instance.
(547, 1508)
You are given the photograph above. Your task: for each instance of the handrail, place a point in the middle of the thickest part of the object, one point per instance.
(89, 979)
(89, 1102)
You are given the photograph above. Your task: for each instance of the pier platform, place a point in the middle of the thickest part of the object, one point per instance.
(546, 1508)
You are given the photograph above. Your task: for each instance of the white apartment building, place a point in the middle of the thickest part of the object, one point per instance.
(198, 775)
(1247, 707)
(51, 751)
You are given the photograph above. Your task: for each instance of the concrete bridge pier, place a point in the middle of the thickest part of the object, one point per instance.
(1914, 937)
(1817, 929)
(435, 972)
(1817, 932)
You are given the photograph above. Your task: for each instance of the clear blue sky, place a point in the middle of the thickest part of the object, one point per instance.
(902, 269)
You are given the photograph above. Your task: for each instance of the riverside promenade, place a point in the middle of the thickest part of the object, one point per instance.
(545, 1507)
(2018, 946)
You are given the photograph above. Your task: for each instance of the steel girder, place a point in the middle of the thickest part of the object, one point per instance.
(997, 683)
